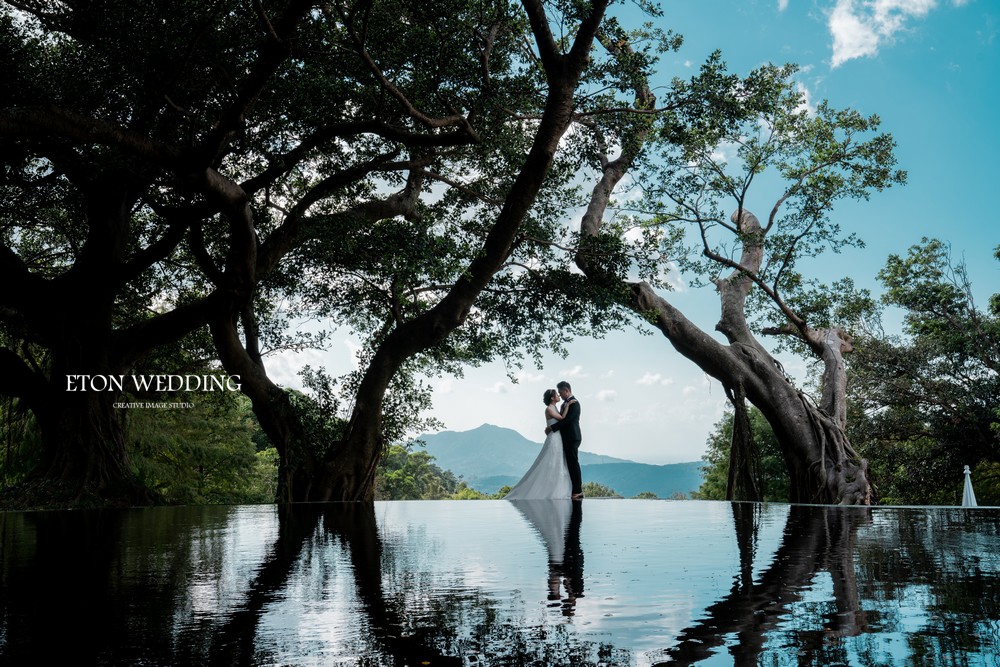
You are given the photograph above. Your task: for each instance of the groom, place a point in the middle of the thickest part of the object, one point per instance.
(569, 428)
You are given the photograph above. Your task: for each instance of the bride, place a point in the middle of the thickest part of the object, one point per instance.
(548, 476)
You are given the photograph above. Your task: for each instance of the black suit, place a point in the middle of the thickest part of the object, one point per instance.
(569, 428)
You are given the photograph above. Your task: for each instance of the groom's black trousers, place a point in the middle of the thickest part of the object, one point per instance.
(571, 450)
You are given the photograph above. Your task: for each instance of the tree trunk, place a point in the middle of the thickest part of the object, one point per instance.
(83, 459)
(348, 472)
(815, 540)
(298, 463)
(822, 466)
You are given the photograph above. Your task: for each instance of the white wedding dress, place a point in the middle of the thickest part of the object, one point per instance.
(548, 476)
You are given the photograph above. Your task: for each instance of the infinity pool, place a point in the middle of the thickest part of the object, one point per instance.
(602, 582)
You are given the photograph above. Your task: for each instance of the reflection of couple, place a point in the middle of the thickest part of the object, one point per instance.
(556, 471)
(558, 523)
(569, 569)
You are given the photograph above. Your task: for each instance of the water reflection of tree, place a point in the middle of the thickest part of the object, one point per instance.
(79, 587)
(932, 573)
(57, 588)
(234, 643)
(453, 627)
(408, 619)
(930, 577)
(815, 539)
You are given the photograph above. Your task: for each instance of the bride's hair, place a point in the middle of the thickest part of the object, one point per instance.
(547, 396)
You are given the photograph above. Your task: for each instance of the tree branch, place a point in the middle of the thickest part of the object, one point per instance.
(271, 55)
(18, 122)
(453, 120)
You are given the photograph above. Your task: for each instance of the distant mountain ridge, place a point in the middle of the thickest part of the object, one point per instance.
(488, 457)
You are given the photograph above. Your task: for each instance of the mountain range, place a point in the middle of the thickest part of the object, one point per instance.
(489, 457)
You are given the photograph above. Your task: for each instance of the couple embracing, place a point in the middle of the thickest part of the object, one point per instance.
(556, 471)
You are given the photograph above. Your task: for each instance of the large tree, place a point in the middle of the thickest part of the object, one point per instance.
(158, 161)
(751, 144)
(246, 154)
(455, 288)
(716, 480)
(168, 167)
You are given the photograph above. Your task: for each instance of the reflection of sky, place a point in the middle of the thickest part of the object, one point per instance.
(224, 557)
(650, 569)
(658, 575)
(649, 566)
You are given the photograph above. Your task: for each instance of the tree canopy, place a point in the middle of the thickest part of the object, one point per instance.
(398, 166)
(926, 401)
(750, 143)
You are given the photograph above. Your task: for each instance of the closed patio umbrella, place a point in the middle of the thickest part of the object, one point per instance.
(968, 495)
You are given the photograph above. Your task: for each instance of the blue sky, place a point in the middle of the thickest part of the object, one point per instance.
(930, 69)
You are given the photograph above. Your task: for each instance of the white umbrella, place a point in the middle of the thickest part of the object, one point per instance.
(968, 495)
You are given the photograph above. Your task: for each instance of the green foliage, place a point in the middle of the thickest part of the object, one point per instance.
(205, 454)
(123, 126)
(406, 475)
(925, 405)
(716, 460)
(596, 490)
(147, 111)
(751, 143)
(648, 495)
(19, 442)
(465, 493)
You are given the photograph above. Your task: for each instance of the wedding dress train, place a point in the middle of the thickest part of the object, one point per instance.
(548, 476)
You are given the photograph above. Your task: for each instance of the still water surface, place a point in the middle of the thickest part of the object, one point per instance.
(603, 582)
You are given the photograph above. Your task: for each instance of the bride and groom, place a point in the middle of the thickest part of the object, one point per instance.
(556, 471)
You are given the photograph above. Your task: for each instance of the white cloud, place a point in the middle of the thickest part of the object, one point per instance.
(650, 379)
(575, 372)
(782, 5)
(807, 103)
(525, 376)
(671, 276)
(607, 395)
(283, 367)
(500, 387)
(860, 27)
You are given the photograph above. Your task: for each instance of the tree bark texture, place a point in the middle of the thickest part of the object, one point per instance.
(822, 466)
(746, 478)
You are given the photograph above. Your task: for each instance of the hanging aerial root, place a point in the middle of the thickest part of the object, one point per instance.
(840, 476)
